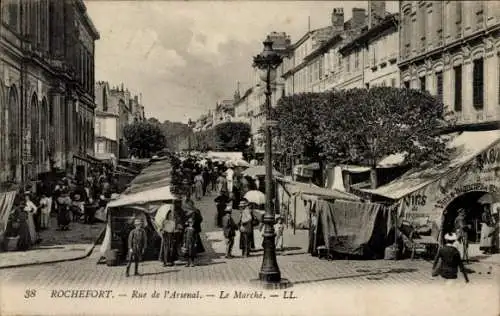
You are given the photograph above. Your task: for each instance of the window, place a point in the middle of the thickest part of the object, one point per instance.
(356, 61)
(348, 63)
(479, 14)
(458, 22)
(393, 82)
(422, 83)
(321, 61)
(406, 84)
(457, 70)
(439, 85)
(367, 85)
(478, 84)
(10, 14)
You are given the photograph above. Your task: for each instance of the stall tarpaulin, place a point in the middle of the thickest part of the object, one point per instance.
(147, 203)
(354, 228)
(6, 202)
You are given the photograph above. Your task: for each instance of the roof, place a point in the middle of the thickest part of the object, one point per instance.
(388, 22)
(299, 188)
(467, 146)
(140, 198)
(323, 48)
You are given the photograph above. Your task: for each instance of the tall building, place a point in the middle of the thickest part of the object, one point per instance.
(46, 87)
(451, 49)
(116, 108)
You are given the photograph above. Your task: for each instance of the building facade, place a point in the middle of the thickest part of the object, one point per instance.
(370, 58)
(116, 108)
(452, 50)
(46, 87)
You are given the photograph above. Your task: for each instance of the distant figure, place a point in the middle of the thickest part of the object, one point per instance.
(448, 261)
(198, 186)
(190, 241)
(45, 207)
(246, 228)
(168, 253)
(137, 243)
(279, 229)
(229, 228)
(462, 230)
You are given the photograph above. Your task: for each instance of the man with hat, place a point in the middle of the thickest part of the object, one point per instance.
(229, 229)
(246, 227)
(137, 243)
(448, 261)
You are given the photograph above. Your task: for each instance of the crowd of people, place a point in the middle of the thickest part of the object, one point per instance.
(68, 199)
(180, 229)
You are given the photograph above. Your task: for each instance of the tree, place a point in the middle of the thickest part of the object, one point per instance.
(144, 138)
(297, 126)
(232, 136)
(363, 126)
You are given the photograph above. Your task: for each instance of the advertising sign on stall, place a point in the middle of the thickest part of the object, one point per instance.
(479, 175)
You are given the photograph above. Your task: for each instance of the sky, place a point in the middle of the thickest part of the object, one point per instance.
(185, 56)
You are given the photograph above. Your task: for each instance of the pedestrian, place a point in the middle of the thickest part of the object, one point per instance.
(63, 211)
(190, 241)
(198, 186)
(245, 225)
(229, 229)
(279, 229)
(45, 207)
(313, 224)
(137, 243)
(448, 261)
(487, 230)
(462, 233)
(30, 209)
(220, 203)
(168, 252)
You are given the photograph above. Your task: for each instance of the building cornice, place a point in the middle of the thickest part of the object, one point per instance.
(82, 8)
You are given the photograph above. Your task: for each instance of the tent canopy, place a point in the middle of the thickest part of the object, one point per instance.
(144, 197)
(299, 188)
(256, 171)
(466, 146)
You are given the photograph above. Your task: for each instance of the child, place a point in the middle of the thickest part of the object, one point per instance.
(279, 228)
(190, 242)
(137, 243)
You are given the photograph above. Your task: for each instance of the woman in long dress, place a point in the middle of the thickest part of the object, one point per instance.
(168, 252)
(487, 230)
(31, 209)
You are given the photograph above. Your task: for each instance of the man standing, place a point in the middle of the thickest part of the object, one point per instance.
(229, 229)
(137, 243)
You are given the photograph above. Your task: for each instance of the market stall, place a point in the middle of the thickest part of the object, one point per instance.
(430, 198)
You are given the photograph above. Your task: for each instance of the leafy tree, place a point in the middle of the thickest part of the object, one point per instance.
(363, 126)
(144, 138)
(232, 136)
(297, 127)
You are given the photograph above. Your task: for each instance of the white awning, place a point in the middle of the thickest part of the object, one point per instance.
(467, 146)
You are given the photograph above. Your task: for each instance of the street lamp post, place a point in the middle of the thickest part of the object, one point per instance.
(267, 62)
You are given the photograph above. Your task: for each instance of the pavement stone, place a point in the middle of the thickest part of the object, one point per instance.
(303, 270)
(56, 246)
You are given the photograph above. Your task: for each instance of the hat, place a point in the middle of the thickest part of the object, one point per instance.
(137, 221)
(450, 237)
(243, 203)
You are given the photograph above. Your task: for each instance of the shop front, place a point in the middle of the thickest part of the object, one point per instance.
(468, 184)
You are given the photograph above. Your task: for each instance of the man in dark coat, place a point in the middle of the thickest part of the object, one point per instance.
(229, 230)
(137, 243)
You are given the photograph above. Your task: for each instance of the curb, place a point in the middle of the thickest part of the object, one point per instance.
(87, 254)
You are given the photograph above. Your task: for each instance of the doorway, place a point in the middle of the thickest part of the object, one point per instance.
(474, 210)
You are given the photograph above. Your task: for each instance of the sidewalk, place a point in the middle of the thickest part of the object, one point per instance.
(56, 246)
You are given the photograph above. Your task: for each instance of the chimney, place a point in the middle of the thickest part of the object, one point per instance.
(376, 12)
(358, 18)
(338, 19)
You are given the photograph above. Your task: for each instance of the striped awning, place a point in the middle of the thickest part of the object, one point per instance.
(6, 202)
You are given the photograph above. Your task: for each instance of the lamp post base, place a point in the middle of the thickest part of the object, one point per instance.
(279, 285)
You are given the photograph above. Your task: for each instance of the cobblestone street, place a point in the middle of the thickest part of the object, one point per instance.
(213, 269)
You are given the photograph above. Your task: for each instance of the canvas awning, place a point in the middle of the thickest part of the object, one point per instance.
(6, 202)
(466, 146)
(144, 197)
(306, 189)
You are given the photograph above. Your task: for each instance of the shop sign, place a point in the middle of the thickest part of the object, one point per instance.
(482, 174)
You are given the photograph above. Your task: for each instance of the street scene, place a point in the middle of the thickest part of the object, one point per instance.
(338, 155)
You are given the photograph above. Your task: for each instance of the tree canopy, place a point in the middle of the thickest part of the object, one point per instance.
(232, 136)
(144, 138)
(362, 126)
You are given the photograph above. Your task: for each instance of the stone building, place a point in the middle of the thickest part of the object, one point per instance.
(46, 87)
(116, 108)
(452, 50)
